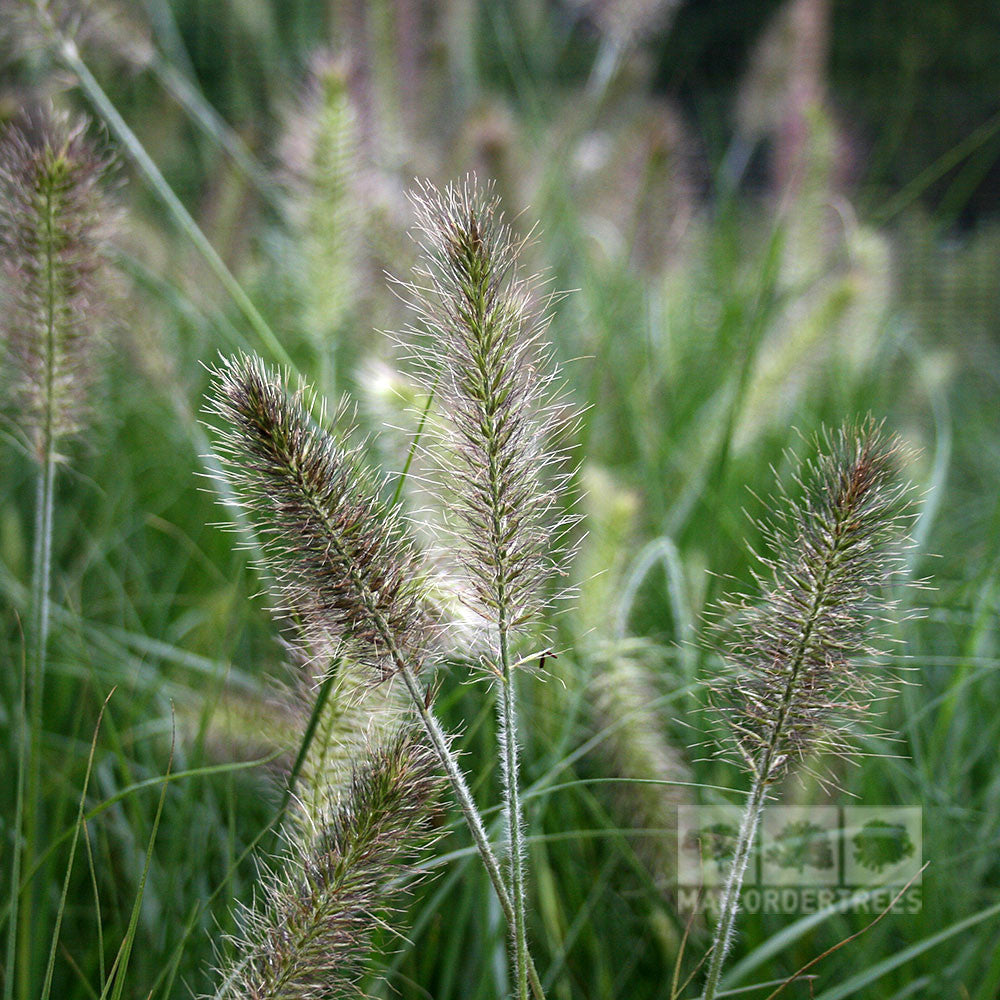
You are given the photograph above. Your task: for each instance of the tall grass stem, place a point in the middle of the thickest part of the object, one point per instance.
(473, 819)
(515, 832)
(729, 901)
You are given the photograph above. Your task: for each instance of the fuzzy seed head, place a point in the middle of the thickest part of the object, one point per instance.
(344, 567)
(357, 716)
(635, 745)
(54, 225)
(478, 346)
(321, 162)
(798, 687)
(309, 933)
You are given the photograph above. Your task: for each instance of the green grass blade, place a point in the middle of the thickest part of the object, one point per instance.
(130, 790)
(307, 737)
(125, 952)
(70, 56)
(47, 984)
(413, 448)
(875, 972)
(98, 922)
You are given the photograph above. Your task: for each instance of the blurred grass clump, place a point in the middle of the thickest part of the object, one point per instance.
(754, 256)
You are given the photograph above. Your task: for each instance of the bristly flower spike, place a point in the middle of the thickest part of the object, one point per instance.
(478, 346)
(54, 223)
(480, 350)
(797, 688)
(345, 571)
(344, 567)
(309, 934)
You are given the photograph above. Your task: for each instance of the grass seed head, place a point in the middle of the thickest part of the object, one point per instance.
(478, 346)
(310, 932)
(798, 684)
(54, 226)
(344, 567)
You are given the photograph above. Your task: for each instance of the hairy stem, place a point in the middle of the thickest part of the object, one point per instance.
(729, 901)
(515, 833)
(38, 629)
(472, 817)
(507, 702)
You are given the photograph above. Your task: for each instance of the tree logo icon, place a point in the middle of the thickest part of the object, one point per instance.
(880, 844)
(799, 845)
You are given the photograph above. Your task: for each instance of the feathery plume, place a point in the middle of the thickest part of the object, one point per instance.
(310, 934)
(344, 567)
(796, 688)
(479, 348)
(481, 352)
(54, 222)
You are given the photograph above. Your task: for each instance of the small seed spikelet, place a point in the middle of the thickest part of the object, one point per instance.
(357, 715)
(635, 746)
(54, 221)
(798, 688)
(478, 347)
(320, 156)
(344, 568)
(309, 934)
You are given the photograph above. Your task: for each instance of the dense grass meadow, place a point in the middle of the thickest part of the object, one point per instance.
(751, 222)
